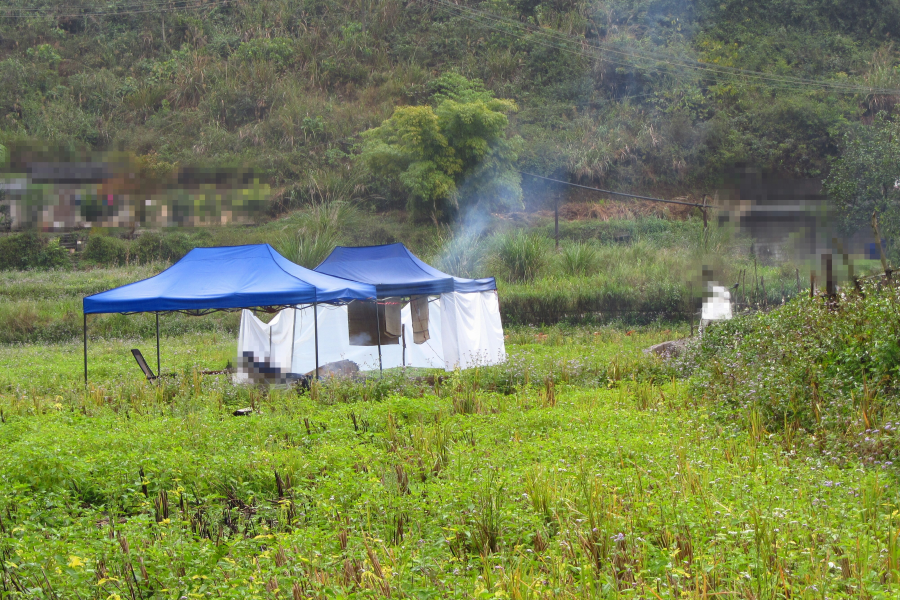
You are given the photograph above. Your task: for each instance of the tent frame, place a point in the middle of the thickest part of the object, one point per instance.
(199, 313)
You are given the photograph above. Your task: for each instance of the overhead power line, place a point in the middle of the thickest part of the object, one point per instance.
(612, 193)
(639, 59)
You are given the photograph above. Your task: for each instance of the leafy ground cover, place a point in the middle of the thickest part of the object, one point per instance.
(582, 468)
(653, 274)
(823, 369)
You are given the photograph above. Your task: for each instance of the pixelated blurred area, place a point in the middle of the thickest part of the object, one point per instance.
(262, 370)
(793, 221)
(51, 191)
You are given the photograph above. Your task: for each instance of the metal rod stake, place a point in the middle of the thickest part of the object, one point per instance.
(316, 330)
(378, 325)
(158, 373)
(85, 349)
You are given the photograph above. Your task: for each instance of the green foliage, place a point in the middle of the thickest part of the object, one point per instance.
(578, 258)
(20, 251)
(519, 255)
(238, 84)
(829, 369)
(318, 230)
(865, 180)
(44, 53)
(106, 250)
(278, 50)
(454, 157)
(571, 453)
(459, 255)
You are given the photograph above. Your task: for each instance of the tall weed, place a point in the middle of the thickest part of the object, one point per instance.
(519, 255)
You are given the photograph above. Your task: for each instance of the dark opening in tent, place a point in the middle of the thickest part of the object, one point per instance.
(225, 278)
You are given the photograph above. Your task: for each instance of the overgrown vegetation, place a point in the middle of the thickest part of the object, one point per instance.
(816, 369)
(285, 85)
(579, 469)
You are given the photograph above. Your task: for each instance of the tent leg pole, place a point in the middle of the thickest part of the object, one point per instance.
(293, 337)
(157, 346)
(316, 331)
(378, 325)
(85, 349)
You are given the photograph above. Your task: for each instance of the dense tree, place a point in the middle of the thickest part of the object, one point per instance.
(452, 157)
(865, 178)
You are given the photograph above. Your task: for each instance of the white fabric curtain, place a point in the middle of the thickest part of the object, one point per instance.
(268, 343)
(473, 332)
(465, 331)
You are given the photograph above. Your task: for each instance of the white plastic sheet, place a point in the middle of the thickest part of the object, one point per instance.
(334, 342)
(464, 331)
(717, 306)
(266, 344)
(477, 332)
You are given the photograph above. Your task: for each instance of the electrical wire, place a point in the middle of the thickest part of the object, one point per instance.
(612, 193)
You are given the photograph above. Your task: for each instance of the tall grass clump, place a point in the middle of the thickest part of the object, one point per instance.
(318, 231)
(577, 258)
(519, 256)
(461, 255)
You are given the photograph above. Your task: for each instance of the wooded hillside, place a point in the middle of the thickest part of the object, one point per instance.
(651, 95)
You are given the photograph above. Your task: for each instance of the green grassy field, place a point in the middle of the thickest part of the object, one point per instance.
(581, 469)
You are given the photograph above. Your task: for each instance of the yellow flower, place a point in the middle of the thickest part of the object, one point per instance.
(75, 562)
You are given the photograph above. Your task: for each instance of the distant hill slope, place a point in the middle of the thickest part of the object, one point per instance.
(643, 94)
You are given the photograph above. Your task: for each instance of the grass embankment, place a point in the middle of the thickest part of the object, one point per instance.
(818, 372)
(636, 271)
(578, 469)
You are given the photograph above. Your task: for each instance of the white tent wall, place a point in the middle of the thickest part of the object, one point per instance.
(465, 331)
(334, 346)
(268, 342)
(475, 320)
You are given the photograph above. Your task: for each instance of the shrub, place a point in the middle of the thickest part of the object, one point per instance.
(104, 250)
(171, 247)
(578, 258)
(825, 367)
(29, 250)
(518, 255)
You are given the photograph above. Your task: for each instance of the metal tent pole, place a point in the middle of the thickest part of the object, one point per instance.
(293, 337)
(316, 330)
(85, 349)
(378, 324)
(157, 346)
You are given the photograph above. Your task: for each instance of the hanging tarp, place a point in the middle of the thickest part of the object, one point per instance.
(265, 350)
(395, 271)
(228, 278)
(477, 331)
(464, 332)
(267, 343)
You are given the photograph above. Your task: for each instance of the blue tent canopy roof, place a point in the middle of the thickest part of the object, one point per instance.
(395, 271)
(228, 278)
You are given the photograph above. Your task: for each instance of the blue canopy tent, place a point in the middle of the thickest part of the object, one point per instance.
(225, 278)
(395, 271)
